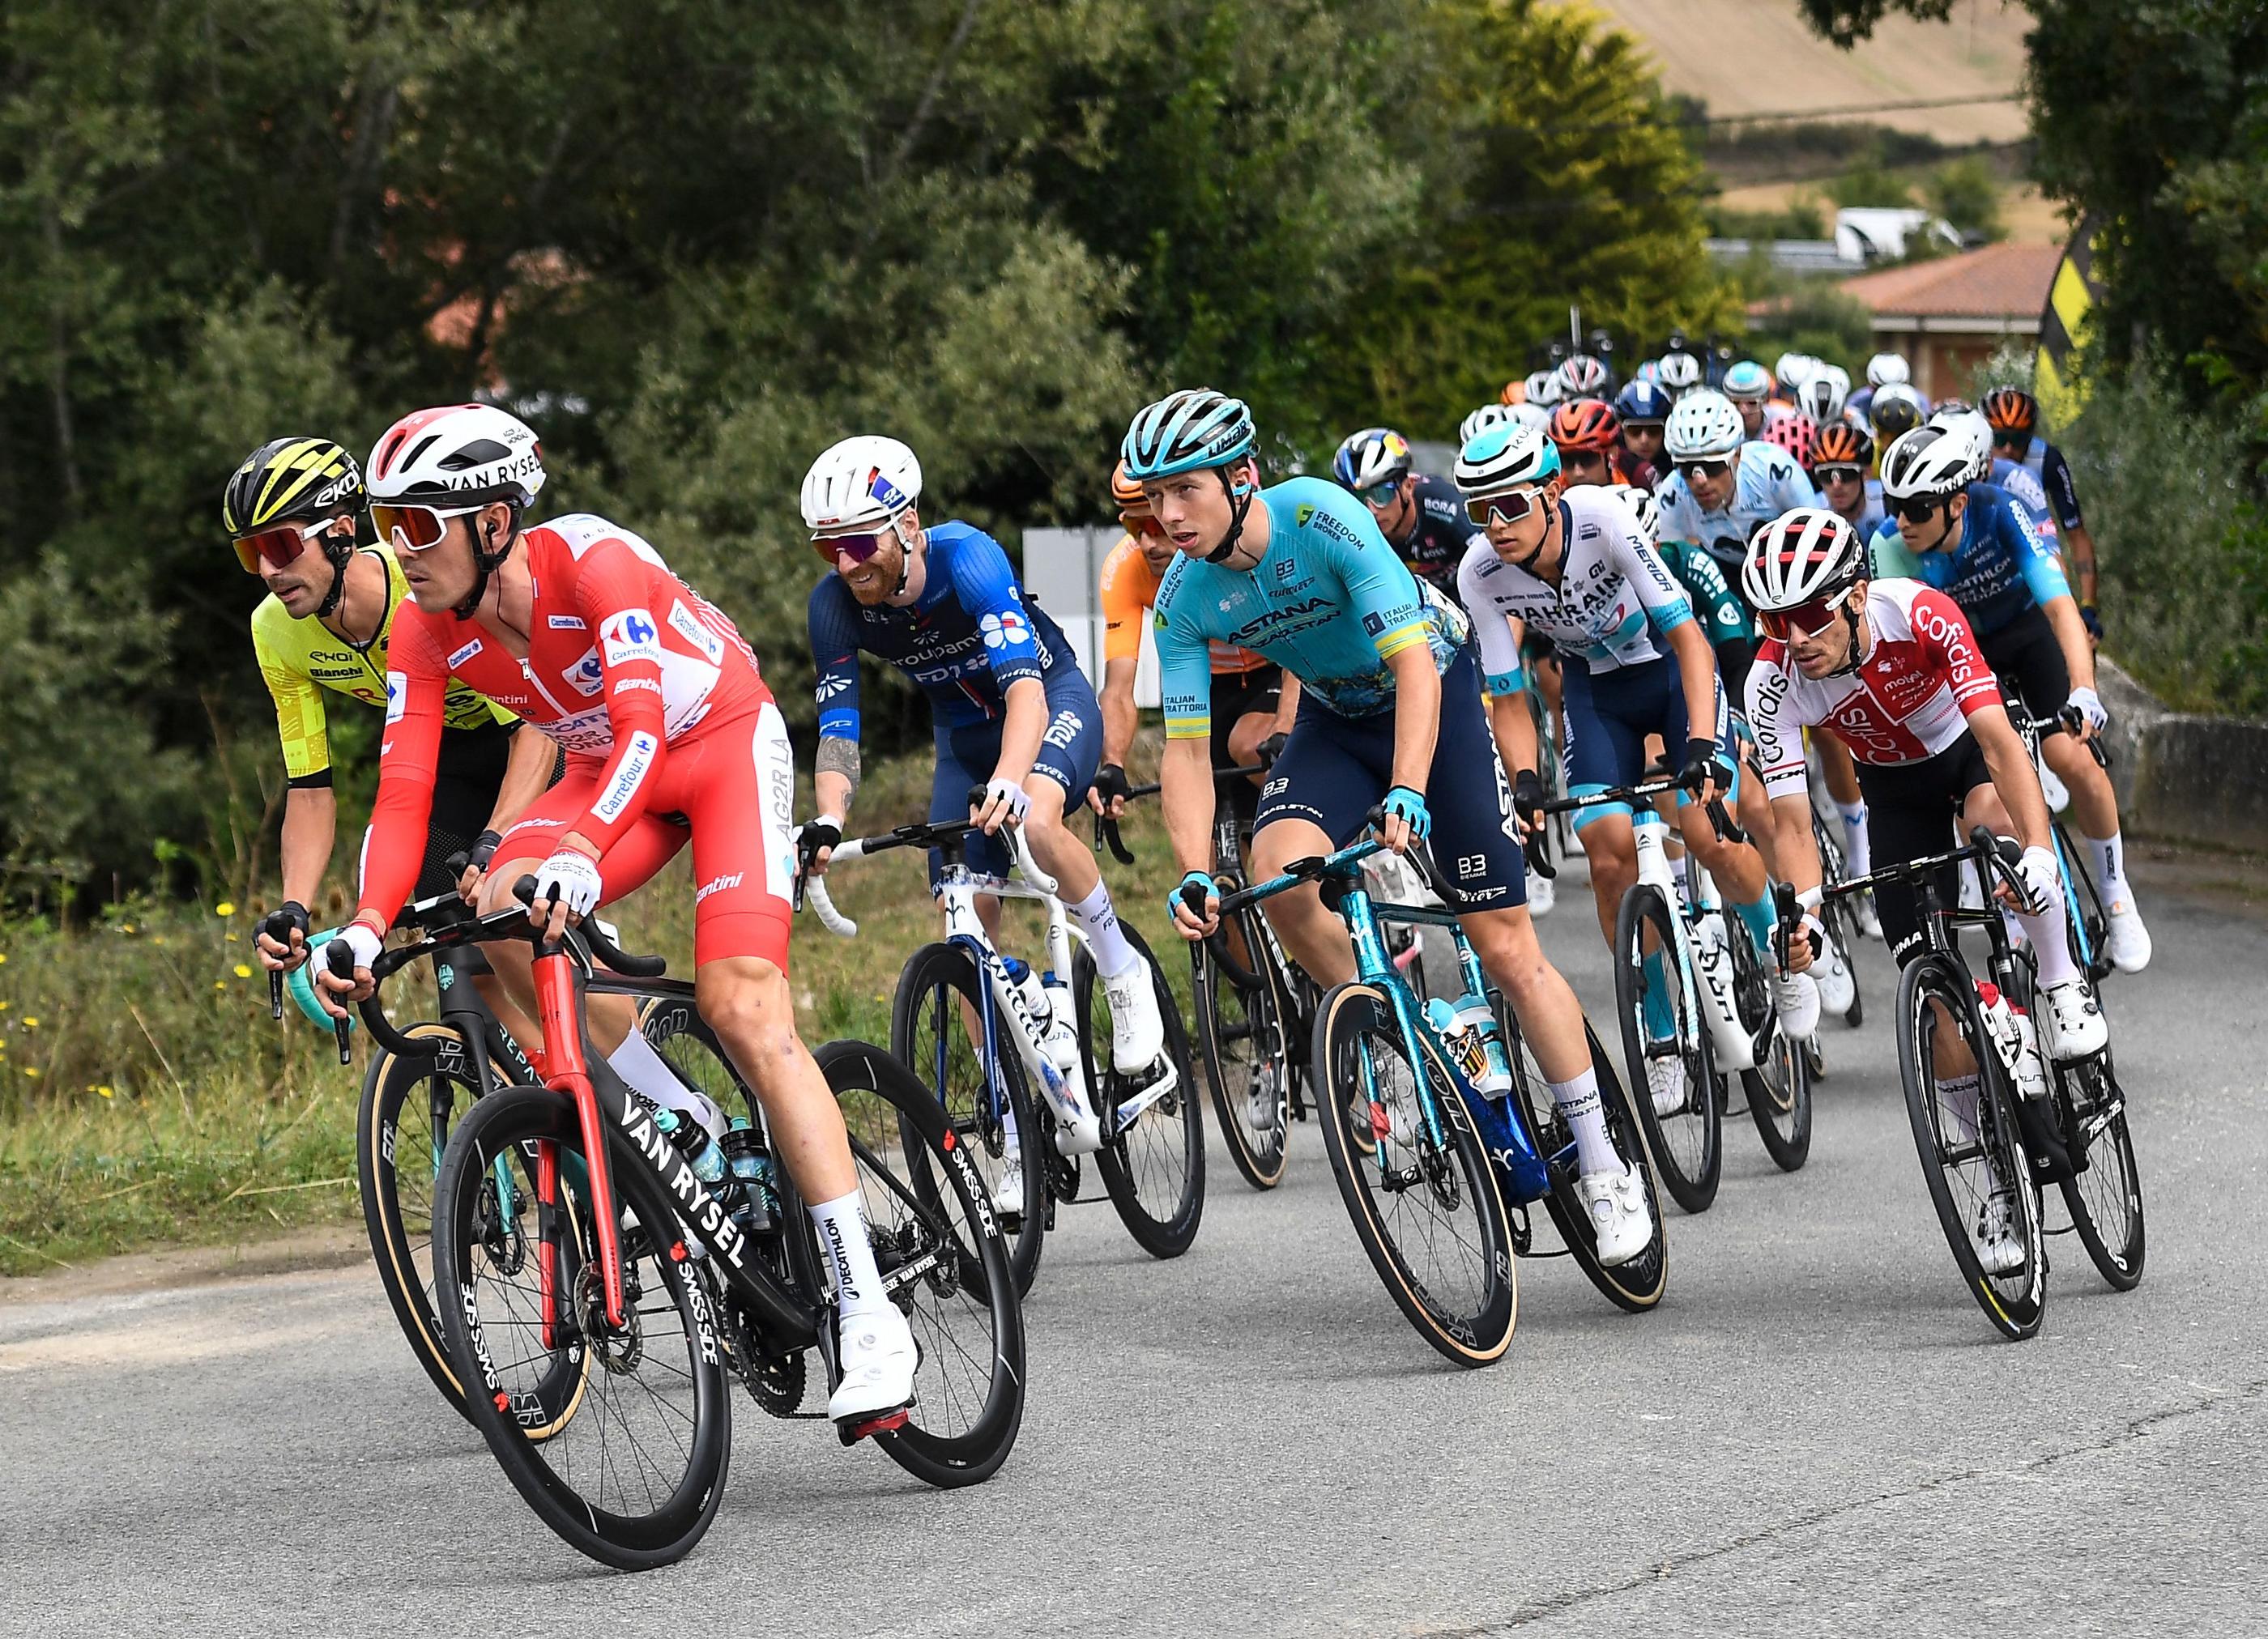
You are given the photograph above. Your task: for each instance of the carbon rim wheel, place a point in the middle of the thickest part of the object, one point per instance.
(1968, 1141)
(935, 1030)
(635, 1478)
(2105, 1196)
(1657, 1011)
(1155, 1170)
(1779, 1089)
(1247, 1063)
(1430, 1216)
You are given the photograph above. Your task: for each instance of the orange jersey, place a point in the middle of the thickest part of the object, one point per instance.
(1130, 591)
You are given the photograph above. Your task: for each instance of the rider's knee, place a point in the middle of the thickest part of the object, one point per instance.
(747, 1002)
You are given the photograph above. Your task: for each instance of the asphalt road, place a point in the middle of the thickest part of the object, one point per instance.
(1816, 1431)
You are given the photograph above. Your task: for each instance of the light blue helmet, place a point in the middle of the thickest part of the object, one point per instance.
(1508, 457)
(1186, 432)
(1746, 379)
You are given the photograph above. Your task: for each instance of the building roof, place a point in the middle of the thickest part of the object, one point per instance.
(1995, 282)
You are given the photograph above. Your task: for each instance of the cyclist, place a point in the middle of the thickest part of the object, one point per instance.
(1823, 394)
(1725, 484)
(2014, 415)
(1013, 713)
(1642, 408)
(1248, 707)
(1582, 376)
(1896, 409)
(1589, 442)
(1389, 716)
(1840, 462)
(670, 735)
(1569, 563)
(1881, 369)
(1790, 372)
(1543, 389)
(1724, 618)
(1890, 668)
(1797, 434)
(1419, 515)
(1976, 542)
(1748, 384)
(1678, 374)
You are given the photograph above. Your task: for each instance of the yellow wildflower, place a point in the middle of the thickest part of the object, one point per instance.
(33, 1071)
(105, 1092)
(224, 908)
(31, 1023)
(242, 972)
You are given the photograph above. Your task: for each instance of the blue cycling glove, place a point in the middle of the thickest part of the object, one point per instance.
(1206, 889)
(1403, 803)
(299, 983)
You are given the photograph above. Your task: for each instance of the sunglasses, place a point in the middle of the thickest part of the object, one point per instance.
(1381, 495)
(1836, 474)
(1704, 469)
(415, 528)
(1140, 523)
(1916, 510)
(1583, 460)
(1510, 507)
(281, 545)
(1801, 620)
(858, 549)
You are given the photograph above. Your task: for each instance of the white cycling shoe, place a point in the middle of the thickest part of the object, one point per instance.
(879, 1360)
(1665, 1081)
(1263, 1105)
(1836, 987)
(1870, 924)
(1137, 1031)
(1616, 1205)
(1541, 895)
(2126, 940)
(1998, 1250)
(2053, 788)
(2070, 1025)
(1008, 1190)
(1796, 998)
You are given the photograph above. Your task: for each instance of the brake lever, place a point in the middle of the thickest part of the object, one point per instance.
(340, 957)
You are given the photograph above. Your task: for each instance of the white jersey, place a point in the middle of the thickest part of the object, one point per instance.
(1614, 601)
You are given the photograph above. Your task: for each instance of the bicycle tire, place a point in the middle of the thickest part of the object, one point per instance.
(931, 1056)
(401, 1230)
(963, 1308)
(2084, 911)
(2014, 1307)
(1778, 1091)
(1355, 1020)
(1140, 1168)
(1688, 1144)
(2106, 1211)
(1637, 1285)
(1252, 1020)
(500, 1128)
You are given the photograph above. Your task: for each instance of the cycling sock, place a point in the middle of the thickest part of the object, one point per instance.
(1758, 917)
(638, 1063)
(1113, 956)
(1858, 855)
(849, 1255)
(1578, 1101)
(1958, 1096)
(1677, 875)
(1660, 1019)
(2049, 946)
(2110, 866)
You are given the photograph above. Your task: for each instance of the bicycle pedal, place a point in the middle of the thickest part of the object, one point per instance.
(857, 1429)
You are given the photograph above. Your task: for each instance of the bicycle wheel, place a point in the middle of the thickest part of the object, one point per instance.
(1675, 1091)
(1636, 1285)
(1155, 1170)
(2087, 928)
(1779, 1089)
(2105, 1193)
(1840, 916)
(944, 1262)
(634, 1479)
(936, 1031)
(409, 1107)
(1969, 1142)
(1242, 1032)
(1430, 1215)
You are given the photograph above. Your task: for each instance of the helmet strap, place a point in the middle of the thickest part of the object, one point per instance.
(1240, 503)
(340, 554)
(486, 563)
(1851, 619)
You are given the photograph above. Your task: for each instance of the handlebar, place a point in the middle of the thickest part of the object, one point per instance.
(813, 889)
(1657, 781)
(2066, 721)
(1106, 828)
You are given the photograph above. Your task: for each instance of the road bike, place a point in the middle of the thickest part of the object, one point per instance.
(1423, 1161)
(1986, 1144)
(1696, 1007)
(959, 1000)
(2086, 927)
(602, 1284)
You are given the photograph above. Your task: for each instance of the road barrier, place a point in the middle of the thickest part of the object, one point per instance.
(2181, 776)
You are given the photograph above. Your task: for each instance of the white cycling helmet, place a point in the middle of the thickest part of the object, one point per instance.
(1956, 416)
(1702, 424)
(456, 455)
(1809, 552)
(1640, 503)
(1583, 377)
(1746, 379)
(1885, 368)
(1793, 370)
(1530, 416)
(1932, 463)
(1497, 458)
(1543, 387)
(1484, 418)
(1823, 396)
(858, 485)
(1679, 374)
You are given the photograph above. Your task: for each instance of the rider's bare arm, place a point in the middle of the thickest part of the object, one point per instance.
(2014, 777)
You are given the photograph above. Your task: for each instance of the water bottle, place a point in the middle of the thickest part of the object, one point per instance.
(2019, 1048)
(1475, 1014)
(692, 1141)
(1459, 1028)
(759, 1208)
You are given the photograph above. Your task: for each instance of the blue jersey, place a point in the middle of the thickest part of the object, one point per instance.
(2000, 568)
(1769, 484)
(2047, 466)
(2019, 480)
(963, 641)
(1328, 601)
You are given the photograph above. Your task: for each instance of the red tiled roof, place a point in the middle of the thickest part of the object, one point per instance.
(1994, 281)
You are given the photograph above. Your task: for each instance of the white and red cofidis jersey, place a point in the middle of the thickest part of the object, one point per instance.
(1910, 698)
(624, 660)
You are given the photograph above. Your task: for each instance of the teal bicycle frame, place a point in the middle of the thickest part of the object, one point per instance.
(1524, 1174)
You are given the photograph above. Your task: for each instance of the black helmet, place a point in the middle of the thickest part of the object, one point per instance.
(292, 478)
